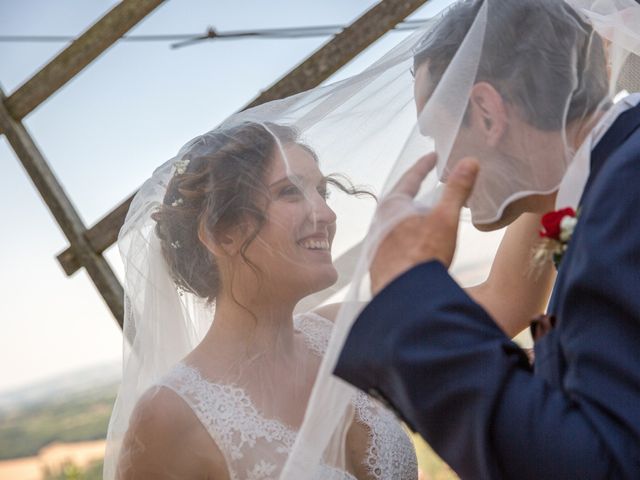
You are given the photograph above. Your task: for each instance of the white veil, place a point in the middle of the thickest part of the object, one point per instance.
(617, 22)
(366, 129)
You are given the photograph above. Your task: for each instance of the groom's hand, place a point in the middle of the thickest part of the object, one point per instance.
(423, 237)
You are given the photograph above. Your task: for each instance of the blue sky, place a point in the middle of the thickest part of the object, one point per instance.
(105, 131)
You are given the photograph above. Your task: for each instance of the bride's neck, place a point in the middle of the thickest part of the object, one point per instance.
(256, 327)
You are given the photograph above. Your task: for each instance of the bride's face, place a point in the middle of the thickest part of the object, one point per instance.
(293, 248)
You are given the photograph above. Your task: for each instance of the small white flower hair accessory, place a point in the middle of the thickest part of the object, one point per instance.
(181, 166)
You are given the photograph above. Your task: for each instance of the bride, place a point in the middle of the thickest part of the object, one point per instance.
(243, 232)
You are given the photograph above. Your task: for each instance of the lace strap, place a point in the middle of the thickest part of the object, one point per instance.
(316, 330)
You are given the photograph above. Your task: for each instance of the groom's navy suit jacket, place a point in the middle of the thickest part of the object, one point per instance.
(441, 362)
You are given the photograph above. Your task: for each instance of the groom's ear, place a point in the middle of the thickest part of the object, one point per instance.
(488, 112)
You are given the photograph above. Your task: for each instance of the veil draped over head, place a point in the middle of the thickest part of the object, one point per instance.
(516, 83)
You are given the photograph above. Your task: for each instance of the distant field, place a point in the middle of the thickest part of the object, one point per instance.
(81, 417)
(54, 458)
(432, 466)
(83, 454)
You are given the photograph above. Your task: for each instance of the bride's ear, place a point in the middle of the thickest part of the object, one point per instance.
(489, 112)
(219, 244)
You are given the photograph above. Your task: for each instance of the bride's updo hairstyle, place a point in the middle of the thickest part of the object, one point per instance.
(219, 183)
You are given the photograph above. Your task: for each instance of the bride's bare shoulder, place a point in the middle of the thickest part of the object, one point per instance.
(166, 440)
(159, 410)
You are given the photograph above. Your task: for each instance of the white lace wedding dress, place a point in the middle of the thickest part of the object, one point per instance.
(255, 447)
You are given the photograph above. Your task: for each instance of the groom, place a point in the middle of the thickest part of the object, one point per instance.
(439, 359)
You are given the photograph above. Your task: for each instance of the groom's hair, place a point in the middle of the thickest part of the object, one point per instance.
(536, 53)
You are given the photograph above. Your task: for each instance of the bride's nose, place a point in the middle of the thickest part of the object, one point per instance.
(320, 210)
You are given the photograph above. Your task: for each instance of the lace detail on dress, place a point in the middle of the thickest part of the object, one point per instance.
(256, 448)
(390, 453)
(228, 414)
(316, 330)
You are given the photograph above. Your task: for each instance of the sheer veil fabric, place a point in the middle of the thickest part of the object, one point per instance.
(242, 213)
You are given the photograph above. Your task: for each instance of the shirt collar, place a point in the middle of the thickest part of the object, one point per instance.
(575, 179)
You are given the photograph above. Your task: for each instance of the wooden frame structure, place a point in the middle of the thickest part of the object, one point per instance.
(86, 245)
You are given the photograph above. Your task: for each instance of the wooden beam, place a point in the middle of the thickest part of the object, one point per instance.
(63, 211)
(343, 48)
(101, 236)
(77, 56)
(311, 72)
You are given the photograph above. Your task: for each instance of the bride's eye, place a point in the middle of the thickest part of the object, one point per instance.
(290, 191)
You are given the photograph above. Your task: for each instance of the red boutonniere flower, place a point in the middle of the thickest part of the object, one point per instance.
(557, 229)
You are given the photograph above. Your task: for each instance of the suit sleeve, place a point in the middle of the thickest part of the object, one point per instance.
(452, 374)
(446, 367)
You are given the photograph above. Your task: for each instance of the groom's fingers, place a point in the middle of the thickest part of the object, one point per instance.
(409, 183)
(428, 236)
(459, 187)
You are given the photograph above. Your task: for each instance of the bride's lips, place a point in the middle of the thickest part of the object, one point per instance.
(315, 243)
